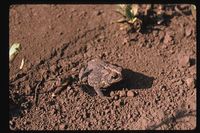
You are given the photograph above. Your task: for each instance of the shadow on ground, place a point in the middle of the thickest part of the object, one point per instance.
(131, 80)
(179, 114)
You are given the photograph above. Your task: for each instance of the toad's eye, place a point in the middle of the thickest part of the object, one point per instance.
(114, 75)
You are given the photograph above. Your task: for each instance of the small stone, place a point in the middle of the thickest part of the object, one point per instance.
(118, 103)
(188, 31)
(112, 112)
(99, 12)
(148, 45)
(53, 111)
(68, 88)
(190, 82)
(167, 38)
(179, 82)
(116, 97)
(155, 33)
(62, 127)
(129, 116)
(130, 94)
(125, 41)
(164, 46)
(26, 122)
(27, 90)
(122, 93)
(61, 33)
(163, 87)
(112, 94)
(53, 95)
(192, 70)
(53, 68)
(184, 61)
(12, 124)
(25, 105)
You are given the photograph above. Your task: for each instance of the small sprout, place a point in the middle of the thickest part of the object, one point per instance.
(22, 64)
(134, 9)
(14, 50)
(193, 10)
(129, 13)
(194, 7)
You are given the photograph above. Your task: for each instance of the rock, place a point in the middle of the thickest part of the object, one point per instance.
(25, 105)
(69, 88)
(125, 41)
(179, 82)
(122, 93)
(99, 12)
(53, 68)
(130, 94)
(190, 82)
(188, 31)
(118, 103)
(27, 90)
(129, 116)
(12, 123)
(148, 45)
(161, 36)
(163, 87)
(192, 70)
(184, 61)
(62, 127)
(26, 122)
(167, 39)
(112, 112)
(53, 111)
(112, 94)
(116, 97)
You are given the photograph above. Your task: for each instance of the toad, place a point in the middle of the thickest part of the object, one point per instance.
(100, 75)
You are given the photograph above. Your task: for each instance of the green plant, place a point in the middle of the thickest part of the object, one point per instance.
(130, 19)
(193, 10)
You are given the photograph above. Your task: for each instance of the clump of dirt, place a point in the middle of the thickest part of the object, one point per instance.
(159, 68)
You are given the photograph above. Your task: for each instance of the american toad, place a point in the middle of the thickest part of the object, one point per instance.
(100, 75)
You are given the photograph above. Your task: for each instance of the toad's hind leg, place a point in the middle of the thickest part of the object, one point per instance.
(99, 91)
(84, 73)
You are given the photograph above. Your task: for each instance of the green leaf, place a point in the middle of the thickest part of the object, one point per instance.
(14, 50)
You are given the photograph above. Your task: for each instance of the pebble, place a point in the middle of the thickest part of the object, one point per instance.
(53, 68)
(167, 38)
(122, 93)
(148, 45)
(27, 90)
(163, 87)
(129, 116)
(112, 93)
(68, 88)
(188, 31)
(184, 61)
(125, 41)
(179, 82)
(53, 111)
(27, 123)
(190, 82)
(62, 126)
(130, 94)
(117, 103)
(99, 12)
(192, 70)
(112, 112)
(12, 123)
(116, 97)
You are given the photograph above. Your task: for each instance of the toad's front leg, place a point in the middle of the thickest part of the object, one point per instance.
(98, 91)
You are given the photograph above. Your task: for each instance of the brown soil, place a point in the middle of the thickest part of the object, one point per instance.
(158, 90)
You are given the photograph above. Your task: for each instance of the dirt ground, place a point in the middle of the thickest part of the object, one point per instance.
(158, 91)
